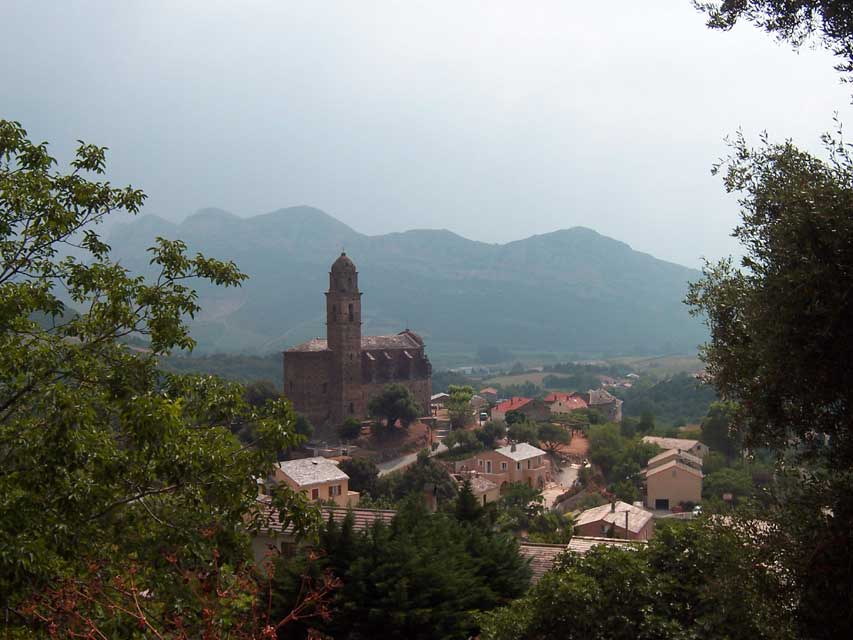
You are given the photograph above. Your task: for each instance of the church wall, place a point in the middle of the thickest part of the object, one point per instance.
(307, 384)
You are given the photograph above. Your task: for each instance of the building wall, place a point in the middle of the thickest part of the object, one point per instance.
(346, 498)
(536, 474)
(675, 485)
(536, 410)
(308, 384)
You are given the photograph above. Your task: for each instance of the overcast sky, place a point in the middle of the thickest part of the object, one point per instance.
(496, 120)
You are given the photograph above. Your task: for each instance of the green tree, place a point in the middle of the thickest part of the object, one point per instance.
(395, 403)
(459, 405)
(111, 469)
(467, 508)
(490, 433)
(717, 432)
(462, 441)
(525, 431)
(259, 392)
(552, 435)
(734, 481)
(415, 478)
(350, 429)
(363, 474)
(798, 21)
(514, 416)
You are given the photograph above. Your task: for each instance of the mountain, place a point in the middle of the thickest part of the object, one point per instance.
(568, 291)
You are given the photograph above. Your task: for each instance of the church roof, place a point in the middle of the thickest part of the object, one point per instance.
(314, 344)
(404, 340)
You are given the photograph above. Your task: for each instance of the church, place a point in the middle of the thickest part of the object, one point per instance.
(331, 379)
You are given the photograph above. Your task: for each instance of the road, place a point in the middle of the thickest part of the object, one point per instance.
(402, 462)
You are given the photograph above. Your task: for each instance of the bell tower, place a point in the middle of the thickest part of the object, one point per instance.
(343, 338)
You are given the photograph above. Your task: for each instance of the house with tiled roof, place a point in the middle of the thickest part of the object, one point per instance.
(320, 479)
(693, 447)
(542, 557)
(516, 462)
(513, 404)
(606, 402)
(616, 520)
(490, 394)
(561, 403)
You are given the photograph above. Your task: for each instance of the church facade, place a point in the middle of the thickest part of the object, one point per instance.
(330, 380)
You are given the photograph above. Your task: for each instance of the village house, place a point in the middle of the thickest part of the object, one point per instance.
(543, 556)
(318, 478)
(513, 404)
(612, 520)
(607, 403)
(520, 462)
(560, 403)
(490, 394)
(478, 402)
(673, 477)
(483, 489)
(693, 447)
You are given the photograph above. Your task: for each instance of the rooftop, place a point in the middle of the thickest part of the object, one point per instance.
(522, 451)
(676, 454)
(582, 544)
(541, 556)
(512, 404)
(671, 443)
(637, 516)
(600, 396)
(672, 464)
(362, 518)
(480, 485)
(403, 340)
(314, 344)
(574, 401)
(308, 471)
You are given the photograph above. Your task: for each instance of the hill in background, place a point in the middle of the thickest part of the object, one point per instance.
(572, 291)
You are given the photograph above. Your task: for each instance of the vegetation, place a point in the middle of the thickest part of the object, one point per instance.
(676, 400)
(691, 581)
(363, 474)
(415, 479)
(459, 405)
(621, 459)
(395, 403)
(350, 429)
(116, 480)
(422, 576)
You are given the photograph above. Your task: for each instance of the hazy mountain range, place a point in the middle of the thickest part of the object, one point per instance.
(568, 291)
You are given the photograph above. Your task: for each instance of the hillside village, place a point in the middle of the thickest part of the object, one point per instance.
(550, 454)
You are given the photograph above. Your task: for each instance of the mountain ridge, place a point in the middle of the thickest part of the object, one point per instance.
(569, 290)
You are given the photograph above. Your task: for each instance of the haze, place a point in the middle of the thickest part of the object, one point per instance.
(495, 120)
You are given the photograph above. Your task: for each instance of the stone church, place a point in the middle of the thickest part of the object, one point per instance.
(332, 379)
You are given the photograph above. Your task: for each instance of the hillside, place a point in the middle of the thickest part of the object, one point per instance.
(572, 290)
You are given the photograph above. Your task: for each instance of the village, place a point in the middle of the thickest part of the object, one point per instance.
(371, 395)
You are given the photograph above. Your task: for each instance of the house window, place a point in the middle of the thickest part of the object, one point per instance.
(518, 466)
(528, 464)
(334, 490)
(351, 313)
(480, 462)
(351, 408)
(488, 466)
(315, 494)
(503, 466)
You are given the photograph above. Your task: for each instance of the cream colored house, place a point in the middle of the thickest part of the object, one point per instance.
(319, 479)
(520, 462)
(672, 480)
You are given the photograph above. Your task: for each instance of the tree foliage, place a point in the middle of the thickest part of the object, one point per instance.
(106, 464)
(459, 405)
(396, 402)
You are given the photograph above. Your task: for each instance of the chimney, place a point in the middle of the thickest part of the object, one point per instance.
(512, 447)
(612, 506)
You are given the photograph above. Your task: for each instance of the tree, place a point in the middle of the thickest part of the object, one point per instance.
(552, 435)
(734, 481)
(525, 431)
(797, 21)
(490, 433)
(461, 440)
(113, 473)
(467, 508)
(459, 405)
(779, 352)
(647, 422)
(415, 478)
(259, 392)
(395, 403)
(514, 416)
(362, 473)
(717, 432)
(350, 429)
(692, 580)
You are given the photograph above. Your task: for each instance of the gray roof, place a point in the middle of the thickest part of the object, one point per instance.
(637, 516)
(308, 471)
(676, 454)
(313, 345)
(672, 464)
(582, 544)
(523, 451)
(480, 485)
(404, 340)
(671, 443)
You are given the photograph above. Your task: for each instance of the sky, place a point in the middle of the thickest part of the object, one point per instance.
(495, 120)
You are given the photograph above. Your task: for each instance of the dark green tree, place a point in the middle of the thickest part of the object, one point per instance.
(350, 429)
(717, 430)
(553, 435)
(395, 403)
(467, 508)
(363, 474)
(111, 471)
(259, 392)
(524, 431)
(491, 433)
